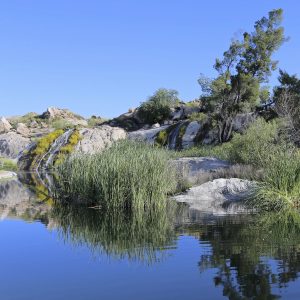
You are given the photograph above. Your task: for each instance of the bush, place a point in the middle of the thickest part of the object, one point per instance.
(199, 117)
(158, 107)
(129, 175)
(61, 124)
(255, 145)
(95, 121)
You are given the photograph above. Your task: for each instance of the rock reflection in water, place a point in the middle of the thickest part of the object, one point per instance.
(18, 201)
(252, 257)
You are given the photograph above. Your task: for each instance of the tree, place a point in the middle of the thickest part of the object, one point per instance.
(244, 66)
(287, 105)
(158, 107)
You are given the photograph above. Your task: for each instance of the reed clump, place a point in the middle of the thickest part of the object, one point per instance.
(129, 175)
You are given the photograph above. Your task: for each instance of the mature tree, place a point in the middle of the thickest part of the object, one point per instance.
(287, 104)
(244, 66)
(158, 107)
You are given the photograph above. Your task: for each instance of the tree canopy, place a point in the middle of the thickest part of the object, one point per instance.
(244, 66)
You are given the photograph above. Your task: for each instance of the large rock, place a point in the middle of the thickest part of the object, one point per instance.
(220, 196)
(11, 144)
(23, 129)
(146, 135)
(195, 170)
(97, 139)
(4, 125)
(242, 121)
(190, 134)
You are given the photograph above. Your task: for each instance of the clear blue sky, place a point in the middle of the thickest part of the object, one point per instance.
(103, 57)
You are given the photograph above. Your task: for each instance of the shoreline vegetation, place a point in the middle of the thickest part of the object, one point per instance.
(269, 144)
(137, 177)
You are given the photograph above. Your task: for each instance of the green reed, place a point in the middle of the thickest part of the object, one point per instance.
(128, 175)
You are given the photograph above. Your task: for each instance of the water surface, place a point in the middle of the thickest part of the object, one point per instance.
(57, 252)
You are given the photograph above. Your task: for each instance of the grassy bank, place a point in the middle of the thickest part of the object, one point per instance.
(263, 148)
(129, 175)
(7, 164)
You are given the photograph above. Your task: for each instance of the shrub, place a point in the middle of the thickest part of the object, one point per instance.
(158, 107)
(61, 124)
(199, 117)
(95, 121)
(255, 145)
(129, 175)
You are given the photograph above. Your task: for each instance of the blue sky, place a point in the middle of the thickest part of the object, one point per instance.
(103, 57)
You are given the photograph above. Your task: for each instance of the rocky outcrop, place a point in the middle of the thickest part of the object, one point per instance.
(190, 134)
(195, 170)
(12, 144)
(242, 121)
(96, 139)
(146, 135)
(4, 125)
(220, 196)
(23, 129)
(54, 113)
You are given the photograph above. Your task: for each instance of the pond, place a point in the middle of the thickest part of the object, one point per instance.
(57, 252)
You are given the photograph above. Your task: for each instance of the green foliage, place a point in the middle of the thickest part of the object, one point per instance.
(45, 142)
(260, 147)
(7, 164)
(280, 188)
(26, 119)
(129, 175)
(74, 139)
(61, 124)
(162, 138)
(255, 145)
(158, 107)
(95, 121)
(287, 99)
(244, 66)
(199, 117)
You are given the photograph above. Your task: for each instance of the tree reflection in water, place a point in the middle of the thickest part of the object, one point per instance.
(253, 255)
(242, 254)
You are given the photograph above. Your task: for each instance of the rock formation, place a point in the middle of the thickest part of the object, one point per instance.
(54, 113)
(220, 196)
(97, 139)
(4, 125)
(23, 129)
(11, 144)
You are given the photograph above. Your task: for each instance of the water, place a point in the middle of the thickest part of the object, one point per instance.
(172, 139)
(54, 252)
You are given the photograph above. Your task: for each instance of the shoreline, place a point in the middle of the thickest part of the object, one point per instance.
(7, 175)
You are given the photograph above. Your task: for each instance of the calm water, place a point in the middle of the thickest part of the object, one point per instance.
(51, 252)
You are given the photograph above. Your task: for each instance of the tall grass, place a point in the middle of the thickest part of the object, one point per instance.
(129, 175)
(275, 164)
(280, 188)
